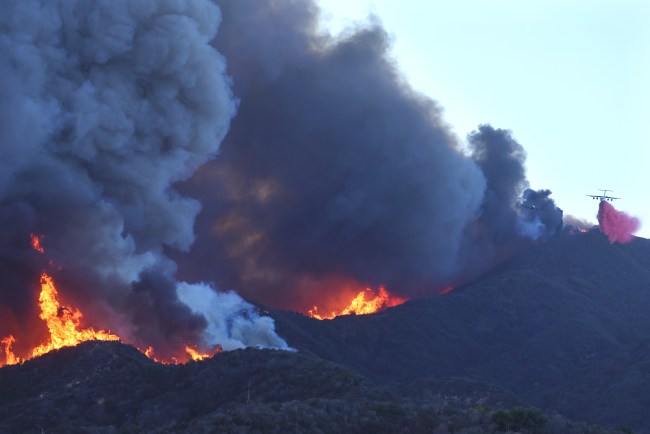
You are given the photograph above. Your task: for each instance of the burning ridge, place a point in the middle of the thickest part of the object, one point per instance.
(365, 303)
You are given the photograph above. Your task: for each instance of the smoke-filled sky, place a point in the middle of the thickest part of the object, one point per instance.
(167, 150)
(569, 78)
(104, 105)
(336, 173)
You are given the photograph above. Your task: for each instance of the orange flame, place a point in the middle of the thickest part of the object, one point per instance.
(362, 306)
(63, 324)
(10, 358)
(149, 352)
(195, 355)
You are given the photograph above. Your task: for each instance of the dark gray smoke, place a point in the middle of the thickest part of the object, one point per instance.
(501, 160)
(104, 105)
(336, 170)
(510, 208)
(542, 219)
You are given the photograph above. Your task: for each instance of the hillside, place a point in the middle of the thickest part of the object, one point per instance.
(102, 387)
(562, 326)
(617, 386)
(548, 317)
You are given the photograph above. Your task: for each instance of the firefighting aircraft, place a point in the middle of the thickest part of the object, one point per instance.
(603, 197)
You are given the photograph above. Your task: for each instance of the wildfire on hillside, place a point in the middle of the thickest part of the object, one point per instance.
(65, 330)
(364, 303)
(196, 355)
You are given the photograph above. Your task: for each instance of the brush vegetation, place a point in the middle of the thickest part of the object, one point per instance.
(104, 387)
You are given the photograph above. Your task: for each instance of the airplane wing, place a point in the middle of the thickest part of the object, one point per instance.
(601, 197)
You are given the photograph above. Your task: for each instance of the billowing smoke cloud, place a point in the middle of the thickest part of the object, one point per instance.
(104, 105)
(509, 206)
(336, 171)
(501, 160)
(242, 327)
(617, 225)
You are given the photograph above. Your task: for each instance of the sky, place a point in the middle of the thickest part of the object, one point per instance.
(570, 79)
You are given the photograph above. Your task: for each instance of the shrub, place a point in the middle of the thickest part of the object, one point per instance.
(519, 418)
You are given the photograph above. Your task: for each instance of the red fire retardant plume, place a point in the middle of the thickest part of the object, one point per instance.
(617, 225)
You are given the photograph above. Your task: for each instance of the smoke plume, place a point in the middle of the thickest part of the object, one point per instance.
(336, 172)
(572, 224)
(104, 105)
(617, 225)
(545, 220)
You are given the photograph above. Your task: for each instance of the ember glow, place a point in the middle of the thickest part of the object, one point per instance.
(446, 290)
(36, 243)
(366, 302)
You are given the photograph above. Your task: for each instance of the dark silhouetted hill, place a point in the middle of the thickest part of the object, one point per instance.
(541, 325)
(109, 387)
(617, 387)
(562, 326)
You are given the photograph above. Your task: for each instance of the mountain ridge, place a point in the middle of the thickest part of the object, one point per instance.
(560, 326)
(101, 386)
(544, 317)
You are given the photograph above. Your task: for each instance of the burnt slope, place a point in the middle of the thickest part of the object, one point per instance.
(543, 318)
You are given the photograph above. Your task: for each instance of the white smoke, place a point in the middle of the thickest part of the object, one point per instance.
(532, 229)
(104, 105)
(233, 323)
